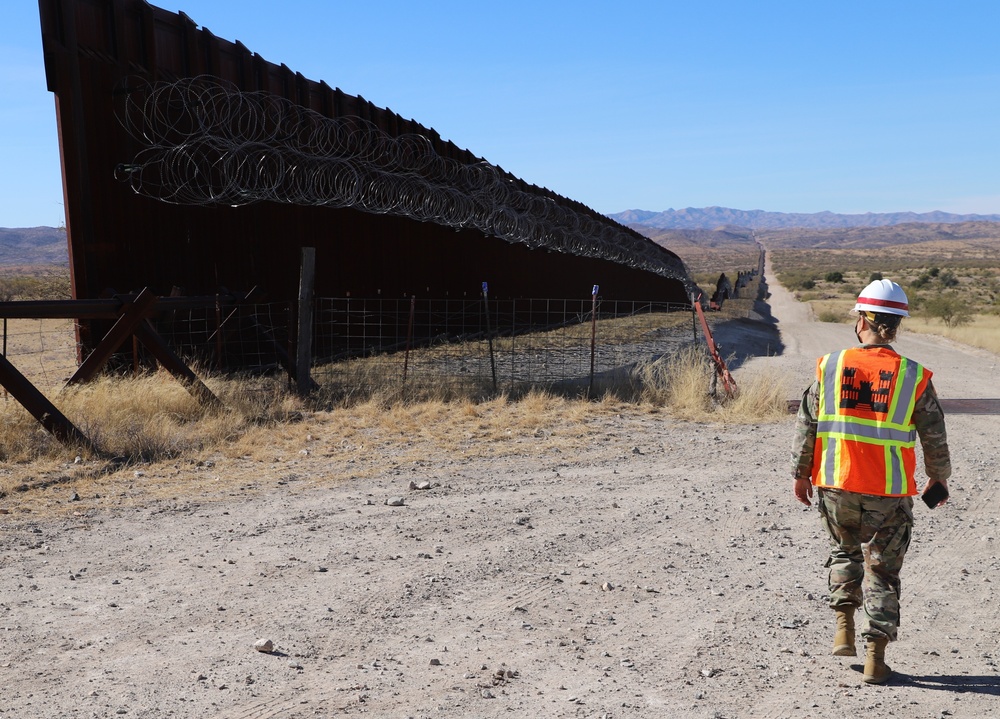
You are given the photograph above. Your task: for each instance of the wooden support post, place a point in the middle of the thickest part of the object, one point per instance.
(39, 406)
(122, 330)
(173, 364)
(134, 322)
(303, 352)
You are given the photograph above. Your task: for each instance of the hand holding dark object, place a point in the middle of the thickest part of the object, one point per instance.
(935, 493)
(803, 490)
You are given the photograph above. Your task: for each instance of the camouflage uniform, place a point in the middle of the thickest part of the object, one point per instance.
(860, 524)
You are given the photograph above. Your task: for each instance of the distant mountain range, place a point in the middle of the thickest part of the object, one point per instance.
(28, 246)
(710, 218)
(33, 246)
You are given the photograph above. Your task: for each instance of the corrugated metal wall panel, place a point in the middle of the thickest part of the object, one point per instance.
(126, 241)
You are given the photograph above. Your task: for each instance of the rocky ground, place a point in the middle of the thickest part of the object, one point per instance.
(663, 570)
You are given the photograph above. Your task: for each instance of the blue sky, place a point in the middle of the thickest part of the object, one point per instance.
(787, 106)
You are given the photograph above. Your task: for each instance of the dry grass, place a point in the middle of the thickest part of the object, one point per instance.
(152, 420)
(147, 417)
(151, 426)
(763, 397)
(682, 384)
(363, 440)
(982, 332)
(833, 310)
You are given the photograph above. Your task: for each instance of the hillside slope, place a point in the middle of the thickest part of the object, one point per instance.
(21, 246)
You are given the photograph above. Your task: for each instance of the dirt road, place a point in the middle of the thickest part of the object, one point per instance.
(666, 570)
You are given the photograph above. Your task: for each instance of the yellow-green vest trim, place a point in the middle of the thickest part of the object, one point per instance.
(863, 445)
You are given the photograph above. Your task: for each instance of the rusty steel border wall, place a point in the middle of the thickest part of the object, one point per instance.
(123, 241)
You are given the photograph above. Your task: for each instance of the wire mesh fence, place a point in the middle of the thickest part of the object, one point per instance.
(486, 346)
(246, 338)
(43, 351)
(443, 347)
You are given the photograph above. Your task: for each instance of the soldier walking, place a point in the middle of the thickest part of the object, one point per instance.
(855, 442)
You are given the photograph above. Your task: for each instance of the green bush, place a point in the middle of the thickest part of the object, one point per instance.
(808, 284)
(949, 309)
(948, 279)
(875, 277)
(834, 277)
(921, 281)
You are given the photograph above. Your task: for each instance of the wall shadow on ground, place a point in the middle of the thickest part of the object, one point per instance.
(744, 338)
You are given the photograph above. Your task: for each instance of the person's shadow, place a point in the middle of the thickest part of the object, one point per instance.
(957, 683)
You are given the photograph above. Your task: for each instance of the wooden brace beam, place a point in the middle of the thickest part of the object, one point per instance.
(39, 406)
(134, 322)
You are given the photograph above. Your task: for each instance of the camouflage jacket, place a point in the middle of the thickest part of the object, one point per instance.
(928, 417)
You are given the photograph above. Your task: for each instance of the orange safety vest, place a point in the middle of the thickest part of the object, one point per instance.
(865, 436)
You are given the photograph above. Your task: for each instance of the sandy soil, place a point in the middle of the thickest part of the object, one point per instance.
(665, 570)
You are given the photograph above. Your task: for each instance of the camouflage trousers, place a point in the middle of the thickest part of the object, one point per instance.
(869, 536)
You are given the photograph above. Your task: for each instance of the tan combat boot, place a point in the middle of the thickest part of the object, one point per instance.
(876, 670)
(843, 639)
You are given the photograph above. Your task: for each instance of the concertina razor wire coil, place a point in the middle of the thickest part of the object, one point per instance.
(208, 143)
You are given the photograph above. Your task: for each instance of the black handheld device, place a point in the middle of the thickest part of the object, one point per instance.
(934, 495)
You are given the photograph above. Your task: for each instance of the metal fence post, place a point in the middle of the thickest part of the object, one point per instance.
(513, 335)
(303, 357)
(409, 335)
(489, 333)
(593, 336)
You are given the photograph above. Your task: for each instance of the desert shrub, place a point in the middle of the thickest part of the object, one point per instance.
(948, 279)
(808, 284)
(834, 277)
(921, 281)
(829, 316)
(794, 278)
(950, 309)
(875, 277)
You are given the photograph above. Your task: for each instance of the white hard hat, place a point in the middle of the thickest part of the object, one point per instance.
(883, 296)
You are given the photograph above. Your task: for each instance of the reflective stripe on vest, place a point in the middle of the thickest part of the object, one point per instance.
(845, 443)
